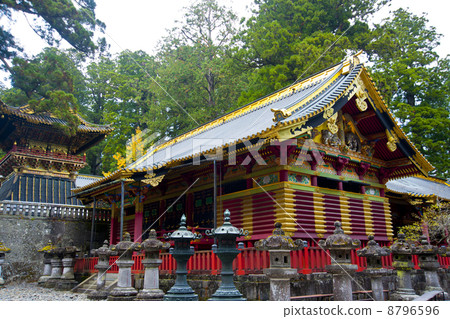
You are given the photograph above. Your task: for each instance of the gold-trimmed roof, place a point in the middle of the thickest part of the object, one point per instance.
(26, 113)
(338, 81)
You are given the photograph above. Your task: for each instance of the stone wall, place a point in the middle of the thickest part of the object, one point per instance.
(27, 235)
(256, 287)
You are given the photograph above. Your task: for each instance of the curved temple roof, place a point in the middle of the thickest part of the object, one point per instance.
(420, 187)
(27, 114)
(301, 106)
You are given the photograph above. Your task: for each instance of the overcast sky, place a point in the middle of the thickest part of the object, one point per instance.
(140, 24)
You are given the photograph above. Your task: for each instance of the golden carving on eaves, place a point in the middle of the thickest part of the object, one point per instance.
(331, 124)
(280, 115)
(293, 131)
(392, 141)
(328, 113)
(153, 180)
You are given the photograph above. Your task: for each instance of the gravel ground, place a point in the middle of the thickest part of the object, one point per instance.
(32, 292)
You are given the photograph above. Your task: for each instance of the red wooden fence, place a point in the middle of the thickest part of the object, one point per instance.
(249, 261)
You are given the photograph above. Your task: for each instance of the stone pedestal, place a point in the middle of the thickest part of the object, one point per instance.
(342, 281)
(3, 251)
(402, 253)
(152, 246)
(428, 261)
(55, 276)
(280, 272)
(2, 261)
(124, 290)
(373, 253)
(100, 293)
(47, 269)
(67, 281)
(404, 291)
(151, 289)
(47, 262)
(102, 266)
(280, 283)
(340, 246)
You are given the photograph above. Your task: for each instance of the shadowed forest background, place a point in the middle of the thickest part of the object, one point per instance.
(214, 61)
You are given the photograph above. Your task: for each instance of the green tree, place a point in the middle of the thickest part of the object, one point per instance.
(415, 83)
(128, 101)
(53, 20)
(51, 83)
(290, 39)
(196, 71)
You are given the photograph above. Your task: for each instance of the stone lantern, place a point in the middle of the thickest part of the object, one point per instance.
(47, 262)
(280, 272)
(373, 253)
(428, 261)
(226, 250)
(3, 251)
(102, 266)
(182, 251)
(57, 254)
(124, 290)
(152, 246)
(340, 246)
(68, 277)
(402, 254)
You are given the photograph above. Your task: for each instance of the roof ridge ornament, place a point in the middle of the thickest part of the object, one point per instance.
(280, 114)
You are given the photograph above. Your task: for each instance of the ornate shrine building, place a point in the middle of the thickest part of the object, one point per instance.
(410, 195)
(37, 176)
(42, 163)
(307, 155)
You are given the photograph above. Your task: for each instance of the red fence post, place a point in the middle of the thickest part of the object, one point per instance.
(306, 268)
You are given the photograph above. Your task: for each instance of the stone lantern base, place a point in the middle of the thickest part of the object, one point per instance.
(280, 282)
(42, 280)
(181, 293)
(403, 294)
(122, 294)
(151, 294)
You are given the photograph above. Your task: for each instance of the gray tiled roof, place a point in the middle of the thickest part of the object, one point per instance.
(83, 180)
(419, 186)
(253, 122)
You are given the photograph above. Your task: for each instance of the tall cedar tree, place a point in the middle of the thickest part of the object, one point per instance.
(196, 70)
(290, 39)
(415, 83)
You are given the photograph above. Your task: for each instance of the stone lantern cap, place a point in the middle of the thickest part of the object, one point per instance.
(70, 249)
(153, 244)
(47, 248)
(227, 229)
(279, 241)
(126, 244)
(182, 233)
(57, 251)
(402, 247)
(373, 249)
(425, 248)
(102, 251)
(339, 240)
(4, 249)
